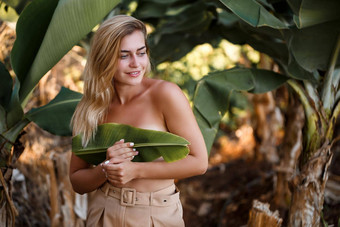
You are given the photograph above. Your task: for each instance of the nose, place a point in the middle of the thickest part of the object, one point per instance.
(134, 61)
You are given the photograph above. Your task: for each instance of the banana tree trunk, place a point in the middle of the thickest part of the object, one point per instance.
(290, 152)
(10, 152)
(268, 120)
(260, 215)
(7, 208)
(309, 187)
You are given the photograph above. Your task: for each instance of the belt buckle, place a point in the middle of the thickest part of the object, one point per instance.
(128, 203)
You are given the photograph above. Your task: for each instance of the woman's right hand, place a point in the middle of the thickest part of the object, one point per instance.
(121, 152)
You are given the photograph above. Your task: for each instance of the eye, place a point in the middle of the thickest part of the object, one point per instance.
(123, 56)
(141, 54)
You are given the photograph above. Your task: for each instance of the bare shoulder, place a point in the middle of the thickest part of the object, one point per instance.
(165, 90)
(168, 98)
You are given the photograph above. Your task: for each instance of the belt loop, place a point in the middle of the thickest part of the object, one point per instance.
(106, 190)
(151, 199)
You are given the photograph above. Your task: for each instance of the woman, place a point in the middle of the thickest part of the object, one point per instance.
(117, 90)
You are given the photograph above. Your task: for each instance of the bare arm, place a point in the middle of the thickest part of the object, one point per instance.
(85, 178)
(179, 120)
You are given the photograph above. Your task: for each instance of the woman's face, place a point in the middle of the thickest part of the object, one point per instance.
(133, 60)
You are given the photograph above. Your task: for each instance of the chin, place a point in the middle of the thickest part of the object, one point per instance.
(135, 81)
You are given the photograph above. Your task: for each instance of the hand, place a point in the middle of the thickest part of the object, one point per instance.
(121, 173)
(121, 152)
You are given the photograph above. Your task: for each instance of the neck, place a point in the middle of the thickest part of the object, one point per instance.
(126, 93)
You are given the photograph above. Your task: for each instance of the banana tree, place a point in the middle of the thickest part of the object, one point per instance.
(309, 34)
(302, 37)
(46, 31)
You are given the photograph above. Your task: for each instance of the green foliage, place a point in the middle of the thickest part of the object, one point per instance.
(5, 86)
(301, 36)
(31, 28)
(212, 94)
(35, 52)
(14, 112)
(151, 144)
(55, 116)
(312, 12)
(178, 29)
(254, 13)
(8, 13)
(46, 30)
(17, 5)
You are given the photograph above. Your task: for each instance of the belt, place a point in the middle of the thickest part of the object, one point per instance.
(130, 197)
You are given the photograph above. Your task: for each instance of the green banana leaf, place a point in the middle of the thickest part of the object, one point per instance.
(7, 13)
(151, 10)
(253, 13)
(14, 110)
(47, 30)
(2, 119)
(212, 95)
(193, 19)
(5, 86)
(55, 116)
(313, 12)
(17, 5)
(150, 144)
(313, 46)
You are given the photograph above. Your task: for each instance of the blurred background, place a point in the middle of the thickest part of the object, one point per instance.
(244, 161)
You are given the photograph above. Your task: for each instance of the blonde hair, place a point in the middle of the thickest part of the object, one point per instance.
(99, 72)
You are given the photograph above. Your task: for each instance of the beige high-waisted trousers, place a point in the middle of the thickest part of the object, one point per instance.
(124, 207)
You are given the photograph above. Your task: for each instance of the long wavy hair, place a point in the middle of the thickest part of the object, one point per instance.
(100, 69)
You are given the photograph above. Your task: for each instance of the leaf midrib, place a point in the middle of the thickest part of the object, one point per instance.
(50, 105)
(136, 145)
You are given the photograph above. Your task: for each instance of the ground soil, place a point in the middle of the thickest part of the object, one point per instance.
(224, 195)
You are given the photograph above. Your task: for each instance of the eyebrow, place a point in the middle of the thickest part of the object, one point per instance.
(127, 51)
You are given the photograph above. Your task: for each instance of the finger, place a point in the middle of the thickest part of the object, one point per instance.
(120, 146)
(122, 153)
(113, 168)
(125, 152)
(117, 160)
(103, 169)
(129, 154)
(114, 159)
(133, 154)
(120, 141)
(115, 179)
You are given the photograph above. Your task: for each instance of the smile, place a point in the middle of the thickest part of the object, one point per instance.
(134, 74)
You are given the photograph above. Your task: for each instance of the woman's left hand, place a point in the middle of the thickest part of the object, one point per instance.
(120, 173)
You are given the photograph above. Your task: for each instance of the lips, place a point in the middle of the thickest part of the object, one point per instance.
(134, 73)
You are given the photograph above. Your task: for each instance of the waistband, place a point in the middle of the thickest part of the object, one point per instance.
(130, 197)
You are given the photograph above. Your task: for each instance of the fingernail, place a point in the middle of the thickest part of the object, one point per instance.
(131, 144)
(121, 140)
(134, 149)
(106, 162)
